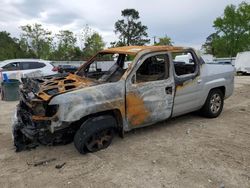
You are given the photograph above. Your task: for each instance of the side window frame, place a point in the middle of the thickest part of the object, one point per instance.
(18, 66)
(141, 60)
(21, 66)
(41, 65)
(185, 77)
(38, 65)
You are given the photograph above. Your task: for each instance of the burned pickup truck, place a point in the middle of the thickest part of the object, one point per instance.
(119, 89)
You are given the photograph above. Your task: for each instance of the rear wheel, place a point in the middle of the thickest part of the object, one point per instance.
(214, 104)
(95, 134)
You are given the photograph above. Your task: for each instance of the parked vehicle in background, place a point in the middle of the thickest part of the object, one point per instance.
(242, 62)
(225, 60)
(18, 68)
(208, 58)
(142, 86)
(67, 68)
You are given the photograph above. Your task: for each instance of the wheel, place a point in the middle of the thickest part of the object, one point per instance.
(95, 134)
(214, 104)
(100, 140)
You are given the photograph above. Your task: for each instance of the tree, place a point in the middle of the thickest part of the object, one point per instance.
(9, 47)
(93, 44)
(66, 49)
(232, 32)
(36, 39)
(209, 46)
(86, 33)
(130, 30)
(164, 41)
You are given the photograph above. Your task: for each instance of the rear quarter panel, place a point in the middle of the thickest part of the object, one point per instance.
(214, 76)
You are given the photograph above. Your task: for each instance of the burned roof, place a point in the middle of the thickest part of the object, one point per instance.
(134, 50)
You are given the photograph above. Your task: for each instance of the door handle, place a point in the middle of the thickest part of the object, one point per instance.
(168, 90)
(199, 81)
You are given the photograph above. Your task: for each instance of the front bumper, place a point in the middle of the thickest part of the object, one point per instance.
(26, 132)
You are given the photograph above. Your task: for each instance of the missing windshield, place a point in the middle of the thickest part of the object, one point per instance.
(106, 67)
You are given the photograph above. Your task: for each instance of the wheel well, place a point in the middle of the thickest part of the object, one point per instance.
(222, 88)
(115, 113)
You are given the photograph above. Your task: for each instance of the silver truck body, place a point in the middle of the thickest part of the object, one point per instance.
(134, 104)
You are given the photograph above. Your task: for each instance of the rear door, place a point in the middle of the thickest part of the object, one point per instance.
(188, 82)
(150, 90)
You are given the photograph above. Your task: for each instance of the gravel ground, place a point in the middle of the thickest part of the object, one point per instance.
(188, 151)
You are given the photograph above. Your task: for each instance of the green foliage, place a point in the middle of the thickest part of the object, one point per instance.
(66, 49)
(93, 44)
(37, 40)
(232, 32)
(9, 47)
(164, 41)
(130, 30)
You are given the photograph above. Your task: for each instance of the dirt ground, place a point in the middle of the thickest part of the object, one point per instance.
(188, 151)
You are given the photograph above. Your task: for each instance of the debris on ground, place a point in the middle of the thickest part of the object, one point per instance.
(188, 131)
(243, 109)
(43, 162)
(60, 166)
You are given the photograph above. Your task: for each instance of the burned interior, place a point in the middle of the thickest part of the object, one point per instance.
(106, 67)
(184, 62)
(153, 68)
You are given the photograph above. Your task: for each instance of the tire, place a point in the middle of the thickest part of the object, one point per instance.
(95, 134)
(214, 104)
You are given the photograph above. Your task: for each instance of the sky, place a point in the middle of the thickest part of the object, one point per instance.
(187, 22)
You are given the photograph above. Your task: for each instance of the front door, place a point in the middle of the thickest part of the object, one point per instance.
(150, 90)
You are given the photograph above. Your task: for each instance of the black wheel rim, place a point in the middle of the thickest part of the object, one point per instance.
(100, 140)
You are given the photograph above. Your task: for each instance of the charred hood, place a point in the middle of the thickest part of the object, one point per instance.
(47, 87)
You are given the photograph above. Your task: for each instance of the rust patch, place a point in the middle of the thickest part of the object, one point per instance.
(136, 110)
(186, 83)
(44, 118)
(40, 118)
(134, 50)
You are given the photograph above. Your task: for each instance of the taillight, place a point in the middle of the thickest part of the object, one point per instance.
(55, 69)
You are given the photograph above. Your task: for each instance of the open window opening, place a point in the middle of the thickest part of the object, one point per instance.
(107, 67)
(153, 68)
(184, 63)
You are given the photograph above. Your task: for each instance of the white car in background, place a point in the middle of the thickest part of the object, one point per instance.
(242, 62)
(18, 68)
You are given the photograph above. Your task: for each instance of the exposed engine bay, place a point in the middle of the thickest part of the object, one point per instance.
(34, 115)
